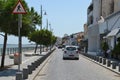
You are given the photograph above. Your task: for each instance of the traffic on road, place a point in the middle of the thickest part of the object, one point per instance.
(83, 69)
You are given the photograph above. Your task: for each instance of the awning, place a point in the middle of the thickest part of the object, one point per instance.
(113, 32)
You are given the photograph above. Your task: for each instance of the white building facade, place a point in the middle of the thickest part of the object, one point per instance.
(93, 29)
(103, 17)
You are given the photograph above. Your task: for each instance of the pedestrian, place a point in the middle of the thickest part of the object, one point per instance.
(19, 8)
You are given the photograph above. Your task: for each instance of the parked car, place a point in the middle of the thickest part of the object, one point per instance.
(71, 52)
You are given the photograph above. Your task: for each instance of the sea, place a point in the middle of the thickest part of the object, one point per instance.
(16, 45)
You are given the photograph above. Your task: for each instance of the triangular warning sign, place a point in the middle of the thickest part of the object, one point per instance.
(19, 9)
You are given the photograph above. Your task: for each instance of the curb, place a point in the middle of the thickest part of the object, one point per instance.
(36, 72)
(101, 64)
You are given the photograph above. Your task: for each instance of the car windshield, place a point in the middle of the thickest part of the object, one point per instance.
(71, 48)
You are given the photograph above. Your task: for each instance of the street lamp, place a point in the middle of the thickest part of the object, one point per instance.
(41, 23)
(42, 15)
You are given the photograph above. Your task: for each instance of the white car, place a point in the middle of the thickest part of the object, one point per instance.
(71, 52)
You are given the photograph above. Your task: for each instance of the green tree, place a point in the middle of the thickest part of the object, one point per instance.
(53, 40)
(42, 37)
(35, 20)
(116, 50)
(9, 22)
(105, 46)
(46, 37)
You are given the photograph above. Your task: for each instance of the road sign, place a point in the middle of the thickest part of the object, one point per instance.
(19, 9)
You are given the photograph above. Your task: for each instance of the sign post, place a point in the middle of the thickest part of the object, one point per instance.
(19, 9)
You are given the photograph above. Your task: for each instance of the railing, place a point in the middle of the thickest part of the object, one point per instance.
(14, 50)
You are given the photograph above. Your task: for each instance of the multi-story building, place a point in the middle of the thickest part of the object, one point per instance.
(103, 17)
(93, 15)
(85, 31)
(73, 39)
(111, 14)
(85, 40)
(80, 37)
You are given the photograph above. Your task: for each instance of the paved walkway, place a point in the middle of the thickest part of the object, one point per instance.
(10, 73)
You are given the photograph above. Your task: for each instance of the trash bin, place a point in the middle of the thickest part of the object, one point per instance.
(16, 58)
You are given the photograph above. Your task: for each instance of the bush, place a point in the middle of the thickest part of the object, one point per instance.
(116, 50)
(105, 46)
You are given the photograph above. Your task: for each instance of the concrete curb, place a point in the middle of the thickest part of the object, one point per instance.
(42, 63)
(32, 67)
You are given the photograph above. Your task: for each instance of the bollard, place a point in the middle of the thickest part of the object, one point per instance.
(97, 58)
(104, 61)
(108, 63)
(25, 73)
(100, 60)
(94, 58)
(39, 62)
(18, 75)
(119, 67)
(29, 69)
(33, 66)
(113, 65)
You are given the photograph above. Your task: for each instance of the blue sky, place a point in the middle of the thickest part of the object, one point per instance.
(65, 16)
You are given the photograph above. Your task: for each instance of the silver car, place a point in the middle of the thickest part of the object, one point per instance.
(71, 52)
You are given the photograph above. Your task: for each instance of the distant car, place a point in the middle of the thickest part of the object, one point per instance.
(63, 47)
(71, 52)
(60, 47)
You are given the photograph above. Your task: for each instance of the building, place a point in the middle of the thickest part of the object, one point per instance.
(85, 40)
(93, 15)
(103, 16)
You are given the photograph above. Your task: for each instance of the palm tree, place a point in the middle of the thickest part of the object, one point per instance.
(35, 20)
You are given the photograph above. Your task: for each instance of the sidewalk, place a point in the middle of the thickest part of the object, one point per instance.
(104, 62)
(10, 73)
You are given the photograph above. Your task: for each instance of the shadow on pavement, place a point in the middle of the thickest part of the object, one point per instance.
(8, 72)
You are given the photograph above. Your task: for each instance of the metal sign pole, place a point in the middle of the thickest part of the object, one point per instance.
(19, 39)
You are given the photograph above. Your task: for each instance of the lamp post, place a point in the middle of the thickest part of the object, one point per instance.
(41, 25)
(47, 24)
(42, 15)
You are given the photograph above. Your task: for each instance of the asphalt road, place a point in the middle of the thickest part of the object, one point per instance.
(83, 69)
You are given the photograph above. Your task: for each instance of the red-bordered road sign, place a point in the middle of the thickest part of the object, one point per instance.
(19, 8)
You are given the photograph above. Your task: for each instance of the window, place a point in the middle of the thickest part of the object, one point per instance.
(71, 48)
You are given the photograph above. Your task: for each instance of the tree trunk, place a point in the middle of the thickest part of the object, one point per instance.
(4, 49)
(36, 48)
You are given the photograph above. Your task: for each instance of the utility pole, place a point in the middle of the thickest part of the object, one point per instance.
(47, 24)
(19, 9)
(20, 39)
(41, 29)
(41, 17)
